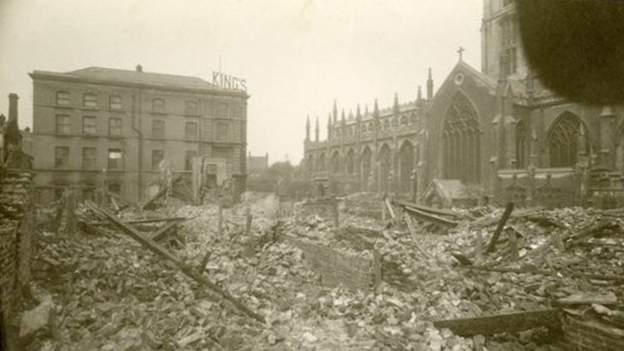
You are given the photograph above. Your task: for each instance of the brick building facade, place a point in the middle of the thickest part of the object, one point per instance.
(498, 130)
(100, 127)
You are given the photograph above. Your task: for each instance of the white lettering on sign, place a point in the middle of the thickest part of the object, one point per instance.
(225, 81)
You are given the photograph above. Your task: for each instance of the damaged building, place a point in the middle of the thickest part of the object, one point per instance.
(102, 128)
(497, 131)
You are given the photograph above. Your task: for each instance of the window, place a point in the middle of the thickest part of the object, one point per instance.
(509, 38)
(89, 125)
(237, 111)
(386, 124)
(404, 120)
(190, 130)
(62, 124)
(222, 131)
(61, 156)
(188, 159)
(158, 129)
(115, 102)
(157, 157)
(114, 127)
(88, 158)
(115, 158)
(190, 108)
(89, 100)
(114, 188)
(507, 3)
(62, 98)
(222, 111)
(158, 105)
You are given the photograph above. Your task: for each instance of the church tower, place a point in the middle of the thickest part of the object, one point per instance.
(501, 48)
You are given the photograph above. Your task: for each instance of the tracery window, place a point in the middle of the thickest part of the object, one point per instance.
(461, 140)
(563, 140)
(521, 145)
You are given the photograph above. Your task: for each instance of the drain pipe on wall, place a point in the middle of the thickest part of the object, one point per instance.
(140, 135)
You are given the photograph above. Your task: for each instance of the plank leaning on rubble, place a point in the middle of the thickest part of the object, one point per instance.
(190, 272)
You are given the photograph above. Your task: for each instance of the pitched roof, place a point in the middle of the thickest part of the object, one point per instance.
(122, 76)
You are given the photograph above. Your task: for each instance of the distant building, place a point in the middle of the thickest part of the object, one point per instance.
(257, 164)
(110, 128)
(497, 131)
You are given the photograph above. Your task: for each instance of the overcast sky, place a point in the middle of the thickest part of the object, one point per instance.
(296, 55)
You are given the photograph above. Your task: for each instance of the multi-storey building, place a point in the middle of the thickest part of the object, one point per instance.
(100, 127)
(498, 130)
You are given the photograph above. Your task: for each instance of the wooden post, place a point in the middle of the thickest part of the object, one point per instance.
(499, 228)
(249, 219)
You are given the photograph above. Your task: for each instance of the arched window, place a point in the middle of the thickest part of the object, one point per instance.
(385, 166)
(321, 162)
(350, 162)
(310, 163)
(404, 120)
(406, 165)
(563, 140)
(367, 156)
(461, 141)
(521, 145)
(335, 162)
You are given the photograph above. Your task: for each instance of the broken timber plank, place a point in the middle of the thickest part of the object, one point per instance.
(390, 209)
(499, 228)
(190, 272)
(431, 210)
(162, 232)
(410, 227)
(502, 323)
(142, 221)
(430, 217)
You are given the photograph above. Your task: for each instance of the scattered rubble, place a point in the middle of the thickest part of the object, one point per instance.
(318, 281)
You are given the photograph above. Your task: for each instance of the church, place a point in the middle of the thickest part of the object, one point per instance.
(491, 134)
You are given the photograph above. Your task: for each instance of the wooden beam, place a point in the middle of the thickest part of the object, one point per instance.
(499, 228)
(190, 272)
(162, 232)
(502, 323)
(142, 221)
(431, 217)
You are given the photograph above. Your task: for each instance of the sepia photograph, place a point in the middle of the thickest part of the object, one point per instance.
(245, 175)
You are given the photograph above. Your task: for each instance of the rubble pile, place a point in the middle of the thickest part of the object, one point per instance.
(110, 293)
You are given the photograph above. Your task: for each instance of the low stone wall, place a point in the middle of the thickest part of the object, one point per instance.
(337, 268)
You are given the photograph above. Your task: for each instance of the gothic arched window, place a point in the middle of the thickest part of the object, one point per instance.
(350, 162)
(521, 145)
(563, 140)
(406, 165)
(461, 141)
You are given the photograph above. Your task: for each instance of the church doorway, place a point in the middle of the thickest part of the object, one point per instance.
(563, 140)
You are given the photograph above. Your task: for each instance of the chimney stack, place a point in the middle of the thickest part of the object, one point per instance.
(139, 68)
(13, 106)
